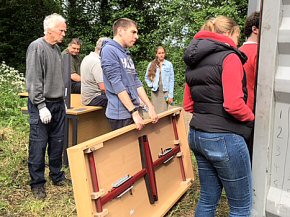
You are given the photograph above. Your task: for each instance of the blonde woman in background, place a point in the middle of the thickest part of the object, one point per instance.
(160, 78)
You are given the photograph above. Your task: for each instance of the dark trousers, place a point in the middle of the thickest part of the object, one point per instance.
(116, 124)
(100, 100)
(75, 87)
(46, 136)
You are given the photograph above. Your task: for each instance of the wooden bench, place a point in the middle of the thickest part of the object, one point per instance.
(23, 95)
(24, 110)
(82, 122)
(75, 102)
(86, 122)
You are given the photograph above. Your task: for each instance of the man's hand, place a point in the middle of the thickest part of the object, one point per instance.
(75, 77)
(151, 110)
(45, 115)
(153, 115)
(138, 120)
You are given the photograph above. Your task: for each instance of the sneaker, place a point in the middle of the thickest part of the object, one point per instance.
(39, 192)
(62, 182)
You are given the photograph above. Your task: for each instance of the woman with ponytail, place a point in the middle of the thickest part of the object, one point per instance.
(222, 122)
(160, 78)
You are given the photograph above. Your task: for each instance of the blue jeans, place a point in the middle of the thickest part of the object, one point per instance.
(223, 162)
(100, 100)
(117, 124)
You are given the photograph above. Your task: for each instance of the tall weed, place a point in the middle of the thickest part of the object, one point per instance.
(11, 83)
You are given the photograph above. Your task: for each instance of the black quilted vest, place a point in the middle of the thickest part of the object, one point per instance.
(204, 59)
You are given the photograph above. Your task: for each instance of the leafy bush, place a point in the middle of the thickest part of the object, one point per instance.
(11, 83)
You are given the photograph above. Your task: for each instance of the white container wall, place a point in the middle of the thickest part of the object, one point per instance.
(271, 155)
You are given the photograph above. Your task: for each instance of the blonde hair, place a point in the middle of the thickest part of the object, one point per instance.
(221, 24)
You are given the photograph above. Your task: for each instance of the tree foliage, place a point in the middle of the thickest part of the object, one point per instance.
(90, 20)
(21, 23)
(171, 23)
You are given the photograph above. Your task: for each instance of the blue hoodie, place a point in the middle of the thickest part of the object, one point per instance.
(119, 75)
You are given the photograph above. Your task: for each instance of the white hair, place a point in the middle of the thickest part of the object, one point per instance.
(99, 43)
(51, 21)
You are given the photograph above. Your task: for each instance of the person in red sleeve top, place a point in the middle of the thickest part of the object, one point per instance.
(250, 48)
(221, 121)
(187, 100)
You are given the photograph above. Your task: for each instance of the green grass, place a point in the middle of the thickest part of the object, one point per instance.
(16, 198)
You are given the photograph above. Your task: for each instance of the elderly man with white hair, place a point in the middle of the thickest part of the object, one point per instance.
(45, 85)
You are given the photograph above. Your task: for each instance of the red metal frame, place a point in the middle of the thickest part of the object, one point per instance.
(148, 171)
(95, 183)
(177, 138)
(117, 191)
(162, 159)
(150, 168)
(147, 163)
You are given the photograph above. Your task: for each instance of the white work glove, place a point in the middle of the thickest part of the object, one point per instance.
(45, 115)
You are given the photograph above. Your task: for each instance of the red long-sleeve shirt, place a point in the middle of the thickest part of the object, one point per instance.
(188, 103)
(251, 50)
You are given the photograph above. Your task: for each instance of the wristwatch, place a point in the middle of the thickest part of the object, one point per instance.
(133, 110)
